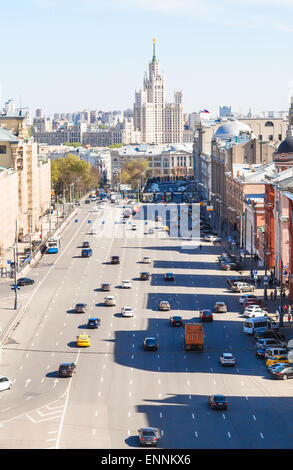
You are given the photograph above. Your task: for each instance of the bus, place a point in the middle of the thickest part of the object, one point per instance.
(253, 325)
(53, 245)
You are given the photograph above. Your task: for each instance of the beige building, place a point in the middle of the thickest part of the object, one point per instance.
(33, 173)
(9, 210)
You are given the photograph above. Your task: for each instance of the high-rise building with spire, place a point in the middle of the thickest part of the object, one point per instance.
(159, 122)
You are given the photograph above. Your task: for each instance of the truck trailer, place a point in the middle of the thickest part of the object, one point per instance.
(194, 337)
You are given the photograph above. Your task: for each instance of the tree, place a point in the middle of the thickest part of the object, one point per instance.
(71, 169)
(134, 172)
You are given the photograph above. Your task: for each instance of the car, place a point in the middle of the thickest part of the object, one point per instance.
(115, 259)
(276, 366)
(105, 286)
(126, 285)
(269, 334)
(127, 311)
(5, 383)
(230, 266)
(148, 436)
(275, 352)
(251, 302)
(85, 245)
(176, 320)
(87, 201)
(93, 322)
(80, 308)
(150, 344)
(215, 238)
(123, 220)
(144, 276)
(66, 369)
(164, 305)
(243, 297)
(227, 359)
(146, 260)
(169, 277)
(217, 402)
(283, 372)
(269, 342)
(110, 300)
(77, 203)
(150, 231)
(234, 279)
(220, 307)
(94, 231)
(277, 359)
(158, 218)
(83, 341)
(86, 252)
(205, 315)
(260, 353)
(252, 313)
(133, 227)
(25, 281)
(165, 228)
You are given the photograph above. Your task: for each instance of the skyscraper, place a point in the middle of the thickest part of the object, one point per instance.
(159, 122)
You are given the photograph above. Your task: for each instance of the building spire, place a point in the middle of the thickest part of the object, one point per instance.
(154, 51)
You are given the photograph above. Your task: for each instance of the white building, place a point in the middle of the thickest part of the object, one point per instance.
(159, 122)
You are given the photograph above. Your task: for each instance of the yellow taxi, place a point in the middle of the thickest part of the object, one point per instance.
(166, 228)
(83, 340)
(275, 359)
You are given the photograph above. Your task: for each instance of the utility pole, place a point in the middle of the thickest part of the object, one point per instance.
(15, 281)
(251, 229)
(281, 322)
(266, 271)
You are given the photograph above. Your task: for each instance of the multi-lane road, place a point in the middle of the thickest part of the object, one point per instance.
(118, 387)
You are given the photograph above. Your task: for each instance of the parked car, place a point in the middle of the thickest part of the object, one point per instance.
(283, 372)
(115, 259)
(270, 352)
(263, 342)
(220, 307)
(277, 360)
(25, 281)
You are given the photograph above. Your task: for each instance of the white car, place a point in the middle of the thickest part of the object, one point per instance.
(214, 238)
(5, 383)
(127, 312)
(110, 300)
(164, 305)
(227, 359)
(126, 285)
(133, 227)
(146, 260)
(255, 313)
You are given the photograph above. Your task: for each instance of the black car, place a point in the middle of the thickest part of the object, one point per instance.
(80, 308)
(148, 436)
(66, 369)
(25, 281)
(115, 260)
(231, 266)
(169, 277)
(86, 252)
(144, 276)
(150, 344)
(93, 322)
(283, 372)
(218, 402)
(269, 334)
(86, 245)
(105, 286)
(176, 321)
(260, 353)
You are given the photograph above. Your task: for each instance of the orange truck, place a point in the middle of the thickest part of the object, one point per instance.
(194, 337)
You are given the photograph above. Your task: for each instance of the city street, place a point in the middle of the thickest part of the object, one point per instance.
(118, 387)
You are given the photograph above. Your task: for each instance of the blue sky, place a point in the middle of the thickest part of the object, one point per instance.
(67, 55)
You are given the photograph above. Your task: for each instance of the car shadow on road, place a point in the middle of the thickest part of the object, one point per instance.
(52, 374)
(132, 441)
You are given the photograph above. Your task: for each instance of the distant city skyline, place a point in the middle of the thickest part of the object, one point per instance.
(90, 54)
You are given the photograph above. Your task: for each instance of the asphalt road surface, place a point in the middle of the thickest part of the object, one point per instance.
(118, 387)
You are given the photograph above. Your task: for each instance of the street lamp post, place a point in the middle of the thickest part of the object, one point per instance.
(15, 281)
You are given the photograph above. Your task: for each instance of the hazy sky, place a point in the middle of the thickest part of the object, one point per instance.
(67, 55)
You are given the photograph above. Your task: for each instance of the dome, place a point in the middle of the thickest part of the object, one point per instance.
(286, 146)
(231, 129)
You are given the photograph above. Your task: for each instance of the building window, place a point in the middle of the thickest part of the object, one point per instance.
(3, 149)
(271, 137)
(260, 137)
(280, 136)
(269, 124)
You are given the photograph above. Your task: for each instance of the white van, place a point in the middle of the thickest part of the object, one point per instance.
(268, 342)
(275, 352)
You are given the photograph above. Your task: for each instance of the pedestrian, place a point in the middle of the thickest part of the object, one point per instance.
(275, 294)
(277, 315)
(272, 295)
(289, 319)
(200, 247)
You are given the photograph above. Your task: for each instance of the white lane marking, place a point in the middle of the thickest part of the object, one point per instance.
(224, 416)
(261, 435)
(196, 435)
(65, 406)
(254, 417)
(161, 416)
(193, 417)
(94, 431)
(229, 435)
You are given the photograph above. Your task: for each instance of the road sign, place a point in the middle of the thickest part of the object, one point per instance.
(233, 242)
(255, 271)
(89, 221)
(242, 252)
(8, 261)
(76, 220)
